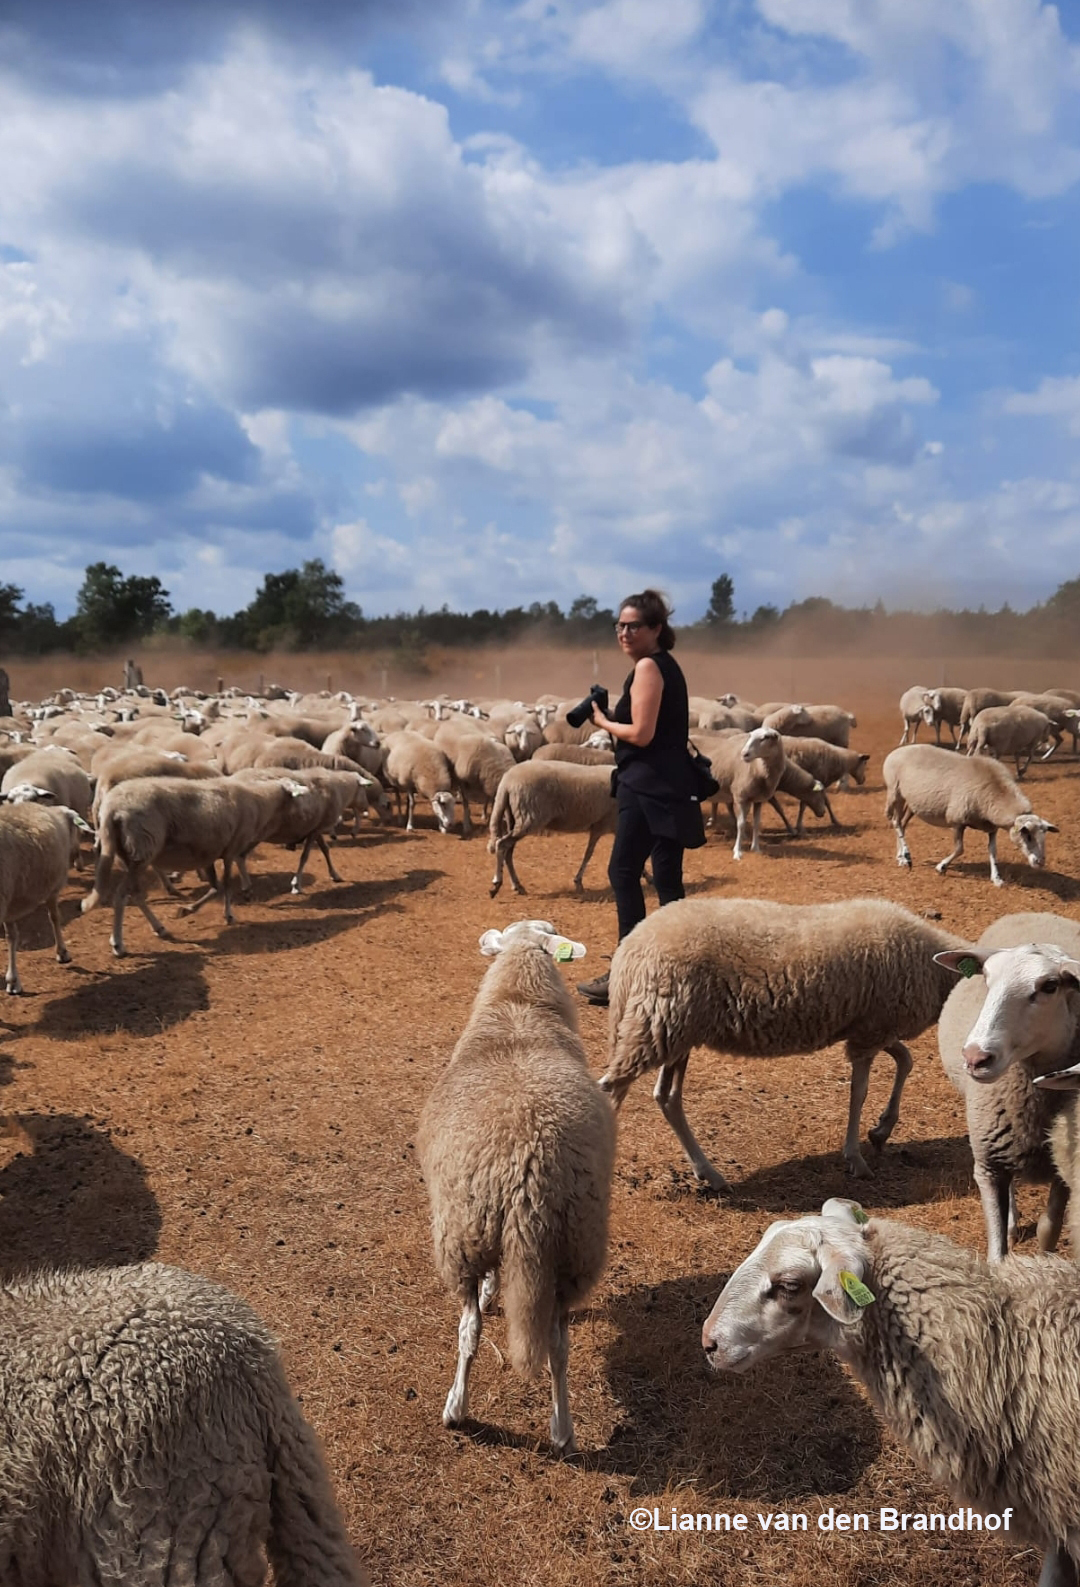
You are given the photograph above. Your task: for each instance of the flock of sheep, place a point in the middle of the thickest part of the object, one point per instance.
(147, 1432)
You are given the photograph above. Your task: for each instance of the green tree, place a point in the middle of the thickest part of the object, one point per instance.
(721, 607)
(584, 608)
(299, 607)
(10, 596)
(764, 616)
(112, 610)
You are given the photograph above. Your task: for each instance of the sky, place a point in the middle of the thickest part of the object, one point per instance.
(486, 303)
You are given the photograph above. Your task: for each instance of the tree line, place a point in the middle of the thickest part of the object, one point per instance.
(306, 608)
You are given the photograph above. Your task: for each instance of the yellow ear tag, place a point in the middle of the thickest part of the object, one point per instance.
(859, 1215)
(564, 951)
(969, 967)
(855, 1289)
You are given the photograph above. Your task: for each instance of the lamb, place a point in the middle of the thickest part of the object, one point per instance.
(414, 765)
(517, 1149)
(998, 1030)
(763, 980)
(37, 847)
(973, 1367)
(170, 824)
(151, 1437)
(915, 709)
(1016, 730)
(946, 790)
(976, 700)
(478, 763)
(549, 796)
(828, 763)
(59, 773)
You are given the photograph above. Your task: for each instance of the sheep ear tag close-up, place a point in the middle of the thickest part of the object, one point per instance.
(562, 949)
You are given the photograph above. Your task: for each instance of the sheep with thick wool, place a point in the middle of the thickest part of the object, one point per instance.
(149, 1437)
(38, 845)
(414, 766)
(517, 1147)
(478, 762)
(549, 796)
(974, 1368)
(758, 979)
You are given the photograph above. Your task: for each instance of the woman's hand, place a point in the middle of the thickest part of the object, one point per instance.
(598, 716)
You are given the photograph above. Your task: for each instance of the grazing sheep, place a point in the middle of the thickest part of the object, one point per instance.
(763, 980)
(170, 824)
(1057, 707)
(915, 709)
(976, 700)
(828, 763)
(973, 1367)
(1015, 730)
(151, 1438)
(38, 845)
(517, 1147)
(800, 785)
(947, 790)
(998, 1030)
(414, 765)
(549, 796)
(478, 762)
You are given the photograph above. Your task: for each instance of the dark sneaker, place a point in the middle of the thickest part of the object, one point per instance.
(595, 991)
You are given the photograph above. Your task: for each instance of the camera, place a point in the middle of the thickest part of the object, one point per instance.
(583, 713)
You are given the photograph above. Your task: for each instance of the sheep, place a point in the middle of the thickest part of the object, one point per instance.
(350, 740)
(763, 980)
(523, 738)
(976, 700)
(125, 764)
(757, 773)
(814, 721)
(151, 1437)
(58, 772)
(575, 754)
(946, 790)
(37, 847)
(946, 706)
(307, 820)
(1057, 707)
(800, 785)
(998, 1030)
(171, 824)
(1015, 730)
(549, 796)
(517, 1149)
(828, 763)
(559, 731)
(914, 710)
(413, 765)
(972, 1366)
(478, 764)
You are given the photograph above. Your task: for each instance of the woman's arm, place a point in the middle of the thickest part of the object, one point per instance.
(645, 694)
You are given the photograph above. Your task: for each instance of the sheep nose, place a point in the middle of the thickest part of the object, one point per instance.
(977, 1058)
(708, 1343)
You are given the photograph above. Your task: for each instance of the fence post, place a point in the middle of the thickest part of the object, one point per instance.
(595, 665)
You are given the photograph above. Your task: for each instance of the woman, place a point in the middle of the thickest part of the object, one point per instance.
(659, 815)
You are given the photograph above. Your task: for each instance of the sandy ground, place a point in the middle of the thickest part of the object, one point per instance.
(244, 1100)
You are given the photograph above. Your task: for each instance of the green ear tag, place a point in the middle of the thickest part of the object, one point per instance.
(564, 951)
(968, 967)
(855, 1288)
(859, 1215)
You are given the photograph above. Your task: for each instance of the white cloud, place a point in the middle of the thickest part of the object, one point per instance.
(1056, 397)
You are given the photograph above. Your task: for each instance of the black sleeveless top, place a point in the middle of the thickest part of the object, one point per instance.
(660, 769)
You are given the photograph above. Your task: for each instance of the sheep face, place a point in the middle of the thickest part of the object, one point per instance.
(858, 771)
(1032, 1006)
(1029, 835)
(789, 1293)
(760, 742)
(443, 806)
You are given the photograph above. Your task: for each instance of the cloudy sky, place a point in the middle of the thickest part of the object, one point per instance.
(486, 303)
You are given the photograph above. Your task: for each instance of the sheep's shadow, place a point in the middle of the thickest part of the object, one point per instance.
(795, 1427)
(906, 1173)
(70, 1198)
(342, 907)
(8, 1066)
(143, 1001)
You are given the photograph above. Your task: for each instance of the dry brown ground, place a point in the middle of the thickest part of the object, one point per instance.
(243, 1101)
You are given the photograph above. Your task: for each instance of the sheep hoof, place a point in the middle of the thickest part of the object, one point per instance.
(14, 989)
(998, 881)
(904, 861)
(455, 1411)
(877, 1137)
(858, 1167)
(711, 1177)
(118, 953)
(63, 956)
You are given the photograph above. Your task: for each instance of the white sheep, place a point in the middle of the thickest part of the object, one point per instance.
(948, 790)
(517, 1148)
(830, 722)
(478, 763)
(756, 772)
(1012, 1016)
(974, 1368)
(828, 764)
(549, 796)
(1016, 730)
(763, 980)
(976, 700)
(414, 765)
(58, 772)
(946, 707)
(914, 710)
(38, 845)
(151, 1437)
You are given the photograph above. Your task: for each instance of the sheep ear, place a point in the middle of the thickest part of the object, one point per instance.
(1050, 827)
(1059, 1080)
(843, 1207)
(840, 1289)
(819, 787)
(966, 962)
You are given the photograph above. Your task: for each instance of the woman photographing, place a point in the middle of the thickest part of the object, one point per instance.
(659, 815)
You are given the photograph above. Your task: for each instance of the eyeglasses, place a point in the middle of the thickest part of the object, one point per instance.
(628, 628)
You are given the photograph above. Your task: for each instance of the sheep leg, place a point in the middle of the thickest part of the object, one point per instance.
(173, 892)
(321, 841)
(514, 881)
(1059, 1569)
(456, 1409)
(410, 800)
(994, 1195)
(53, 907)
(742, 830)
(755, 846)
(116, 936)
(242, 872)
(792, 832)
(860, 1060)
(832, 813)
(1014, 1217)
(668, 1093)
(1049, 1229)
(197, 904)
(562, 1427)
(995, 875)
(297, 883)
(594, 838)
(489, 1288)
(14, 985)
(958, 849)
(226, 888)
(466, 814)
(888, 1121)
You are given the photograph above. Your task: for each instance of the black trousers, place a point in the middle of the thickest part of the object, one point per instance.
(634, 844)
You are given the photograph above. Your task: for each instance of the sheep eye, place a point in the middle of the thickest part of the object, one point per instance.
(787, 1287)
(1049, 987)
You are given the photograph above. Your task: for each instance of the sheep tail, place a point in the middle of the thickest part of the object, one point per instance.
(527, 1275)
(308, 1545)
(500, 815)
(108, 842)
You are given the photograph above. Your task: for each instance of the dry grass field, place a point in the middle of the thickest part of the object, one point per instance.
(243, 1101)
